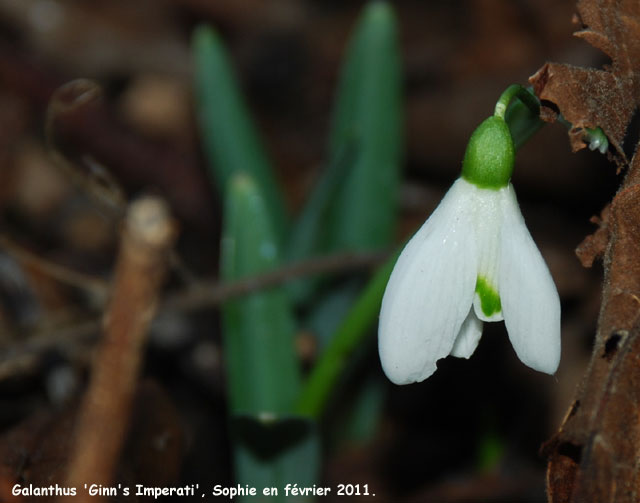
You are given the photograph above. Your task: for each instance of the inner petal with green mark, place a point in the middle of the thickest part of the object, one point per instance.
(489, 300)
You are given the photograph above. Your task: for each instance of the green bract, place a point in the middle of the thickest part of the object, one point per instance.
(488, 161)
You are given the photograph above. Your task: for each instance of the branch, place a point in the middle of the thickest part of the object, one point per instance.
(104, 415)
(202, 295)
(213, 293)
(94, 285)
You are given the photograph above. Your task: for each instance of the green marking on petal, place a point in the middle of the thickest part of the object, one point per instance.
(489, 298)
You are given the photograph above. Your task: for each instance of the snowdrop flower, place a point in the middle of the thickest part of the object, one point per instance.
(472, 261)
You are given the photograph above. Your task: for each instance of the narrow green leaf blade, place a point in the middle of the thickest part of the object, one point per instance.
(230, 139)
(258, 328)
(271, 447)
(368, 115)
(308, 234)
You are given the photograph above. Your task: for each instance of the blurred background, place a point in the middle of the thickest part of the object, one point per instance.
(472, 431)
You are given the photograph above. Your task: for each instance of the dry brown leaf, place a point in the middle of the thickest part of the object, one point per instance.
(593, 456)
(588, 97)
(594, 245)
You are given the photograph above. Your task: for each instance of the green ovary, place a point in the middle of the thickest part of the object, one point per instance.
(489, 158)
(489, 298)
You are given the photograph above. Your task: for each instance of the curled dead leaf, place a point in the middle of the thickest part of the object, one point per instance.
(589, 97)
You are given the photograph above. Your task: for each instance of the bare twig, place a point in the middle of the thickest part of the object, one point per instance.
(63, 274)
(213, 293)
(105, 412)
(205, 294)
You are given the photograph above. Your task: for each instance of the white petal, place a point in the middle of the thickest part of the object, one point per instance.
(530, 301)
(488, 217)
(469, 336)
(430, 291)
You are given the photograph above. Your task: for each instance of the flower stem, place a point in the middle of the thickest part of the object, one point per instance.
(520, 92)
(522, 114)
(346, 339)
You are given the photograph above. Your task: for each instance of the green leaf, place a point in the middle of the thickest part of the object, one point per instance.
(353, 204)
(308, 235)
(230, 139)
(368, 116)
(258, 329)
(271, 447)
